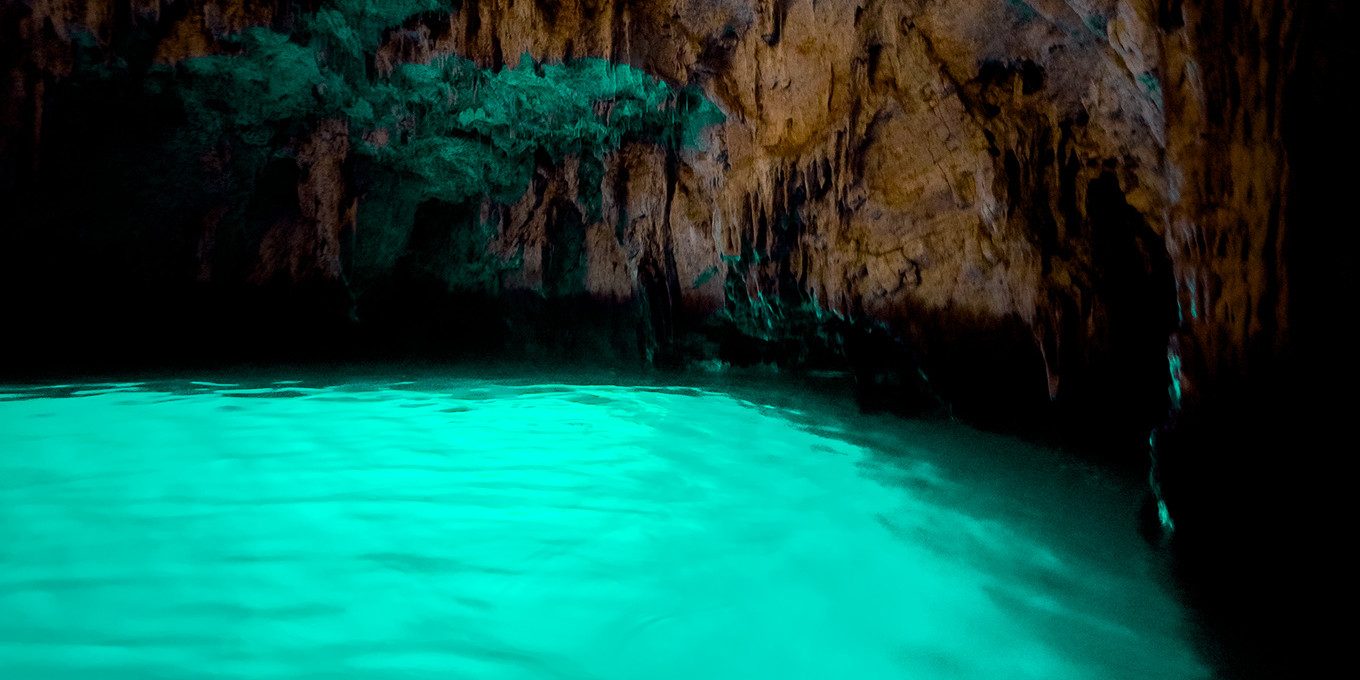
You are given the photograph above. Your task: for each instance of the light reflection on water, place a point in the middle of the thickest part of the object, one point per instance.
(470, 528)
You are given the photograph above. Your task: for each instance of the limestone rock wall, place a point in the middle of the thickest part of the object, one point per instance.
(1117, 212)
(1037, 197)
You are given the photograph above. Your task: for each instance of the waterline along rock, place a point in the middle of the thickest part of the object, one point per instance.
(1094, 218)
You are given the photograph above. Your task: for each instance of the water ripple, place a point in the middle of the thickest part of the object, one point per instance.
(239, 527)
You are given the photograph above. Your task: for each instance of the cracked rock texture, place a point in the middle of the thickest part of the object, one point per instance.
(1103, 214)
(1041, 200)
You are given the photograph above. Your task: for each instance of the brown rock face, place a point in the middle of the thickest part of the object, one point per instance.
(306, 245)
(1038, 198)
(1061, 175)
(1088, 208)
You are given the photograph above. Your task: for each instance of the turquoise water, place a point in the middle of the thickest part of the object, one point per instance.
(477, 528)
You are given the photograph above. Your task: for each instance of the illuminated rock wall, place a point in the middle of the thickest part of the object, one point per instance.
(1036, 198)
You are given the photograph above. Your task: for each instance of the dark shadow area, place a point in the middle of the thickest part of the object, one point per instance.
(1253, 480)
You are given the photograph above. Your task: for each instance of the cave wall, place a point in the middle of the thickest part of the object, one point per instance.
(1104, 214)
(1041, 200)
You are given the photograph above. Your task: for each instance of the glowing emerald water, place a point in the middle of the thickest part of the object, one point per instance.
(477, 529)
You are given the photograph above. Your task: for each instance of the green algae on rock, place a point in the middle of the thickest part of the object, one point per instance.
(443, 131)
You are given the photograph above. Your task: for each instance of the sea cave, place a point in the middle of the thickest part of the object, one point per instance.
(624, 339)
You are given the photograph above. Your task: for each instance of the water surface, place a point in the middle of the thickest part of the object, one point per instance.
(502, 528)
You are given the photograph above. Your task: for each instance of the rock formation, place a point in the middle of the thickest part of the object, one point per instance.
(1068, 210)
